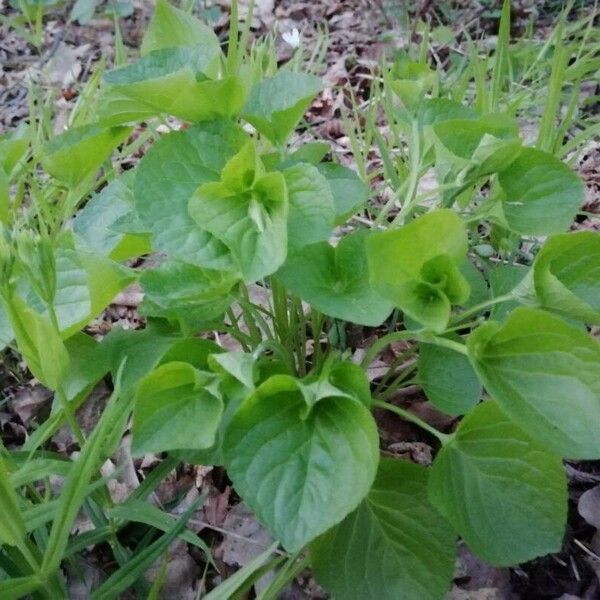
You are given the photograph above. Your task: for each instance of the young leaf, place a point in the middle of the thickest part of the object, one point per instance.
(79, 152)
(12, 525)
(336, 280)
(502, 491)
(566, 274)
(252, 223)
(276, 104)
(301, 468)
(311, 213)
(350, 193)
(179, 81)
(6, 333)
(176, 407)
(544, 374)
(13, 147)
(410, 80)
(394, 545)
(448, 379)
(542, 194)
(417, 266)
(171, 27)
(169, 174)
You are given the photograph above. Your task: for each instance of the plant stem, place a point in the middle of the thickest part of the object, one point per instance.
(408, 416)
(482, 306)
(386, 340)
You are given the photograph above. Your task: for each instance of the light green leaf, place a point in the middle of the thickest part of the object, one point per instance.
(277, 104)
(301, 469)
(544, 374)
(12, 525)
(186, 293)
(417, 266)
(39, 343)
(448, 379)
(336, 280)
(410, 80)
(542, 194)
(252, 224)
(79, 152)
(176, 407)
(350, 193)
(179, 81)
(19, 587)
(566, 275)
(311, 214)
(167, 177)
(171, 27)
(93, 224)
(394, 545)
(503, 492)
(6, 333)
(13, 147)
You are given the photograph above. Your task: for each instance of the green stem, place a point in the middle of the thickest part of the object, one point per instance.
(386, 340)
(408, 416)
(482, 306)
(444, 343)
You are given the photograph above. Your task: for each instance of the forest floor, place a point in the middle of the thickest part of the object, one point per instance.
(359, 33)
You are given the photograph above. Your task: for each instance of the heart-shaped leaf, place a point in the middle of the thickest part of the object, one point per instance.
(167, 177)
(542, 194)
(566, 275)
(276, 104)
(448, 379)
(336, 280)
(79, 152)
(302, 468)
(544, 374)
(311, 214)
(417, 266)
(176, 407)
(394, 545)
(350, 193)
(504, 493)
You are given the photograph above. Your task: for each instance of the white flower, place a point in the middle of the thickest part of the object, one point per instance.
(292, 38)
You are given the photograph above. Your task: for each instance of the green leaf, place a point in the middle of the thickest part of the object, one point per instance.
(503, 492)
(542, 194)
(277, 104)
(544, 374)
(302, 468)
(410, 80)
(167, 177)
(13, 147)
(350, 193)
(129, 573)
(6, 332)
(252, 223)
(417, 266)
(335, 281)
(80, 151)
(142, 512)
(504, 278)
(179, 81)
(171, 27)
(12, 525)
(394, 545)
(18, 587)
(311, 213)
(566, 275)
(448, 379)
(92, 225)
(176, 407)
(186, 293)
(39, 343)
